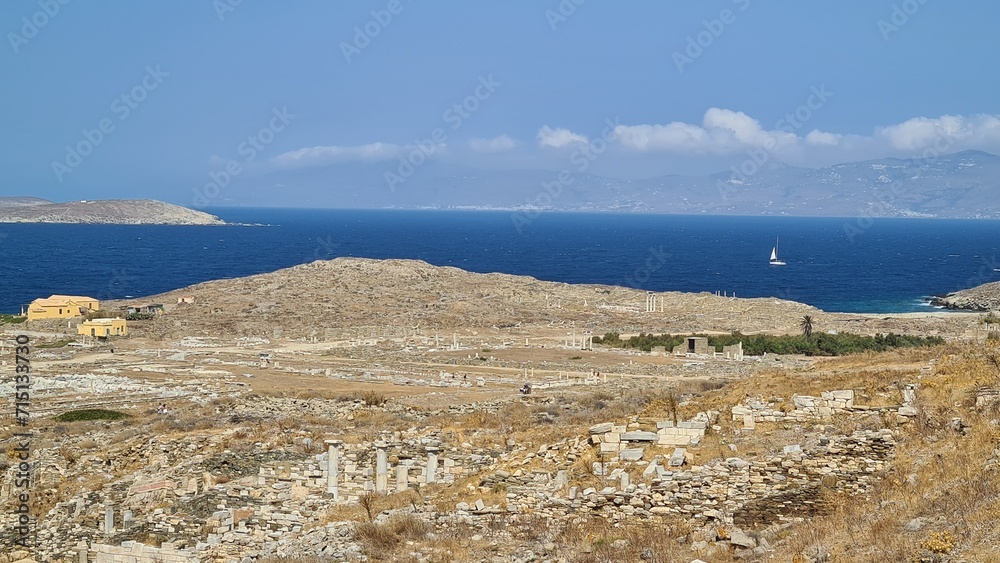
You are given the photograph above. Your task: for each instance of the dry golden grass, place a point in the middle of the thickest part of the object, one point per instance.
(357, 512)
(383, 542)
(937, 475)
(595, 539)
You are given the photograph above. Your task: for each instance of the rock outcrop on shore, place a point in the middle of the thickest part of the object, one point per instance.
(984, 297)
(110, 211)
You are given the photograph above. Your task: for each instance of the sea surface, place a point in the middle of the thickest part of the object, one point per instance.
(849, 265)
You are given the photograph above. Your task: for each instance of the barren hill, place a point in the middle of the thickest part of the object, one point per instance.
(984, 297)
(116, 211)
(355, 297)
(22, 201)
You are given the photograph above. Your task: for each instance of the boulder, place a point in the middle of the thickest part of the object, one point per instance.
(741, 539)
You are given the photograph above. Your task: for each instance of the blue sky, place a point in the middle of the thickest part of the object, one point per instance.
(188, 88)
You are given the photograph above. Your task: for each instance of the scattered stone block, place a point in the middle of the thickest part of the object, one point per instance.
(631, 454)
(640, 436)
(677, 458)
(602, 428)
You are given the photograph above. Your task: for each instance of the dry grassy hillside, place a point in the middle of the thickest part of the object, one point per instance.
(354, 297)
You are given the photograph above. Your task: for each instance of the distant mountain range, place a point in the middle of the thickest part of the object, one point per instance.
(960, 185)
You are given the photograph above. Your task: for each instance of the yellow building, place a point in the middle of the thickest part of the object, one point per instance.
(61, 307)
(103, 328)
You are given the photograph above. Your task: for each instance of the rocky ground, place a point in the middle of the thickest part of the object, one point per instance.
(364, 410)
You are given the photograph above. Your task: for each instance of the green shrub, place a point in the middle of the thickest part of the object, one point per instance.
(821, 344)
(91, 414)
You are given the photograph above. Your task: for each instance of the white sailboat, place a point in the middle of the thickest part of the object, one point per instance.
(774, 255)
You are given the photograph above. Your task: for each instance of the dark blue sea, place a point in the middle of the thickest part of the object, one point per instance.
(850, 265)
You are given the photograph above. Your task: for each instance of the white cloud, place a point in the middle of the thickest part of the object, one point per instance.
(559, 138)
(333, 154)
(724, 132)
(922, 132)
(721, 135)
(721, 131)
(496, 144)
(817, 137)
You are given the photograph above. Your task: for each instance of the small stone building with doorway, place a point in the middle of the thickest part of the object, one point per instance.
(697, 345)
(103, 328)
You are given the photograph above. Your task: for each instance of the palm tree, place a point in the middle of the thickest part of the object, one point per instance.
(807, 326)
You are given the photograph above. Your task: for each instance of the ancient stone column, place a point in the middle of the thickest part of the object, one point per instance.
(333, 468)
(381, 467)
(109, 520)
(402, 478)
(432, 463)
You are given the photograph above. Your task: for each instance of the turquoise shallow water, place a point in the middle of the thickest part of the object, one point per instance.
(886, 265)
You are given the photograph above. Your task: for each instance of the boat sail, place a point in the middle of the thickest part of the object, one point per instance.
(774, 255)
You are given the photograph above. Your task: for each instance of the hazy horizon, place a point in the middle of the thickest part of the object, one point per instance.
(231, 103)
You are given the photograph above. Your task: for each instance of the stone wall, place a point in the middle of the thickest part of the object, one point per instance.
(724, 490)
(135, 552)
(619, 441)
(805, 408)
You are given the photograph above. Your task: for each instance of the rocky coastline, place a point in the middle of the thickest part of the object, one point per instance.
(983, 298)
(111, 211)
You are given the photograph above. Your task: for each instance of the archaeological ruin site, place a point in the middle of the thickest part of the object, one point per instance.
(365, 410)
